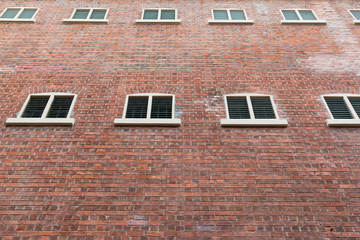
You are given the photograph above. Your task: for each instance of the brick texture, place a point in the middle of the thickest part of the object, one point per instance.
(197, 181)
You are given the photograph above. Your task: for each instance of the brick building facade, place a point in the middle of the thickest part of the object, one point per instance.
(95, 180)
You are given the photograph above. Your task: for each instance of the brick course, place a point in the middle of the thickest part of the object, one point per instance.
(197, 181)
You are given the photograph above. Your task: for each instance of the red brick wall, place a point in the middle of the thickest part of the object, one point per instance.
(95, 181)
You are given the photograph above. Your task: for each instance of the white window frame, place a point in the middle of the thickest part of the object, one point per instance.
(356, 21)
(284, 21)
(16, 19)
(170, 122)
(332, 122)
(158, 20)
(246, 21)
(252, 122)
(43, 120)
(88, 20)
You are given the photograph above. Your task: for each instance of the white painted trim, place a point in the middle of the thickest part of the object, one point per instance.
(253, 123)
(356, 21)
(159, 20)
(231, 21)
(16, 18)
(44, 120)
(40, 121)
(300, 21)
(343, 122)
(303, 22)
(147, 122)
(87, 20)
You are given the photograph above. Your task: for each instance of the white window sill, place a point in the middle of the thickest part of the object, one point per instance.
(158, 21)
(231, 21)
(356, 21)
(85, 21)
(147, 122)
(343, 122)
(303, 22)
(16, 20)
(253, 123)
(40, 121)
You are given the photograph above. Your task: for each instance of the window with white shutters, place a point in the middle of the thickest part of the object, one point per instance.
(251, 110)
(46, 109)
(149, 109)
(344, 110)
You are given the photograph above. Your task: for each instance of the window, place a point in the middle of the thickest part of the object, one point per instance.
(229, 16)
(46, 109)
(356, 15)
(96, 15)
(300, 16)
(159, 15)
(344, 110)
(19, 14)
(244, 110)
(149, 109)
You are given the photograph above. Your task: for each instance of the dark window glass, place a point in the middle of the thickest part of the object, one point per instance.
(167, 14)
(238, 108)
(10, 13)
(81, 14)
(60, 107)
(307, 15)
(356, 14)
(98, 14)
(338, 108)
(220, 15)
(27, 13)
(151, 14)
(355, 102)
(161, 107)
(237, 15)
(290, 15)
(35, 107)
(262, 108)
(137, 107)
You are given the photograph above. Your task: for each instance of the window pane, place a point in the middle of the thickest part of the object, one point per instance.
(338, 108)
(60, 107)
(27, 13)
(35, 107)
(355, 102)
(262, 108)
(151, 14)
(167, 14)
(290, 15)
(356, 14)
(307, 15)
(220, 15)
(10, 13)
(238, 108)
(237, 15)
(81, 14)
(137, 107)
(161, 107)
(98, 14)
